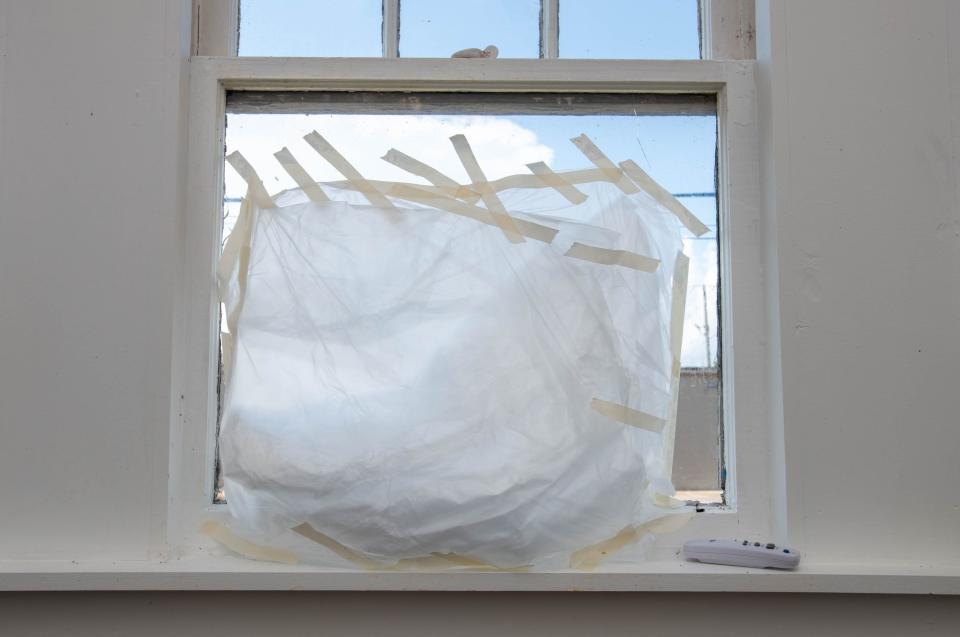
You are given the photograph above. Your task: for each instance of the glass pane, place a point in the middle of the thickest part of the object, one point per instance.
(630, 29)
(311, 28)
(439, 28)
(506, 132)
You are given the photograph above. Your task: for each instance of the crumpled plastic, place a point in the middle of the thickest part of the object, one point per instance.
(406, 382)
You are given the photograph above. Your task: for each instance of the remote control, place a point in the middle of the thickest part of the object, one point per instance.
(741, 553)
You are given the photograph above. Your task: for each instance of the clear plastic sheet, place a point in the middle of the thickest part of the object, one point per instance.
(405, 382)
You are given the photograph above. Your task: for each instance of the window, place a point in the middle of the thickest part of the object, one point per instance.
(674, 118)
(672, 137)
(300, 28)
(572, 29)
(632, 29)
(434, 28)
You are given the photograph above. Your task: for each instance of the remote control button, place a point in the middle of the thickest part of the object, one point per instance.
(786, 550)
(771, 545)
(745, 542)
(756, 543)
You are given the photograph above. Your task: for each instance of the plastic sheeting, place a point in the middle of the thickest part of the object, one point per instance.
(406, 382)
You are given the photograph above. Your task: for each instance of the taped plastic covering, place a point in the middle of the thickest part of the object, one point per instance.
(434, 176)
(490, 198)
(663, 196)
(300, 175)
(554, 180)
(607, 167)
(338, 161)
(412, 387)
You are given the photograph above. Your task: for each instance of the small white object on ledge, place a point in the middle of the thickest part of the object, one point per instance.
(489, 52)
(742, 553)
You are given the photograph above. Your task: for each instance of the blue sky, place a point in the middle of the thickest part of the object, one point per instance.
(655, 29)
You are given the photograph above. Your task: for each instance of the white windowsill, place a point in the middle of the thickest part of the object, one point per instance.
(228, 573)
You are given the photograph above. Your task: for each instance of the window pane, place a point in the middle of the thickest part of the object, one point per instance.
(629, 29)
(439, 28)
(677, 150)
(311, 28)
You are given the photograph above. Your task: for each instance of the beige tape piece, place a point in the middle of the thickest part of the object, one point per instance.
(226, 355)
(584, 176)
(664, 197)
(490, 198)
(601, 161)
(434, 176)
(606, 256)
(338, 161)
(527, 181)
(255, 185)
(678, 303)
(678, 307)
(666, 501)
(245, 547)
(420, 194)
(300, 175)
(232, 270)
(347, 553)
(447, 561)
(626, 415)
(589, 557)
(435, 561)
(558, 183)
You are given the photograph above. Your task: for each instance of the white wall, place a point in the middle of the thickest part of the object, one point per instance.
(862, 137)
(90, 142)
(862, 150)
(285, 614)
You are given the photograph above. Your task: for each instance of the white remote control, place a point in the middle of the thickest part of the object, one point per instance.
(741, 553)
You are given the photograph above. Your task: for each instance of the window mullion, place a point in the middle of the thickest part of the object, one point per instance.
(216, 27)
(549, 29)
(727, 30)
(391, 28)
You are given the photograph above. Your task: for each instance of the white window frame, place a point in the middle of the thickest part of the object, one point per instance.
(750, 501)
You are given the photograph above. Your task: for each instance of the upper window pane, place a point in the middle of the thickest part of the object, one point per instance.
(311, 28)
(629, 29)
(439, 28)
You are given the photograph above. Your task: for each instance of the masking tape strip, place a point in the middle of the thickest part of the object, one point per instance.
(234, 262)
(300, 175)
(626, 415)
(528, 181)
(678, 303)
(420, 194)
(338, 161)
(677, 310)
(434, 561)
(589, 557)
(663, 196)
(601, 161)
(246, 548)
(347, 553)
(666, 501)
(490, 198)
(558, 183)
(434, 176)
(573, 177)
(606, 256)
(245, 170)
